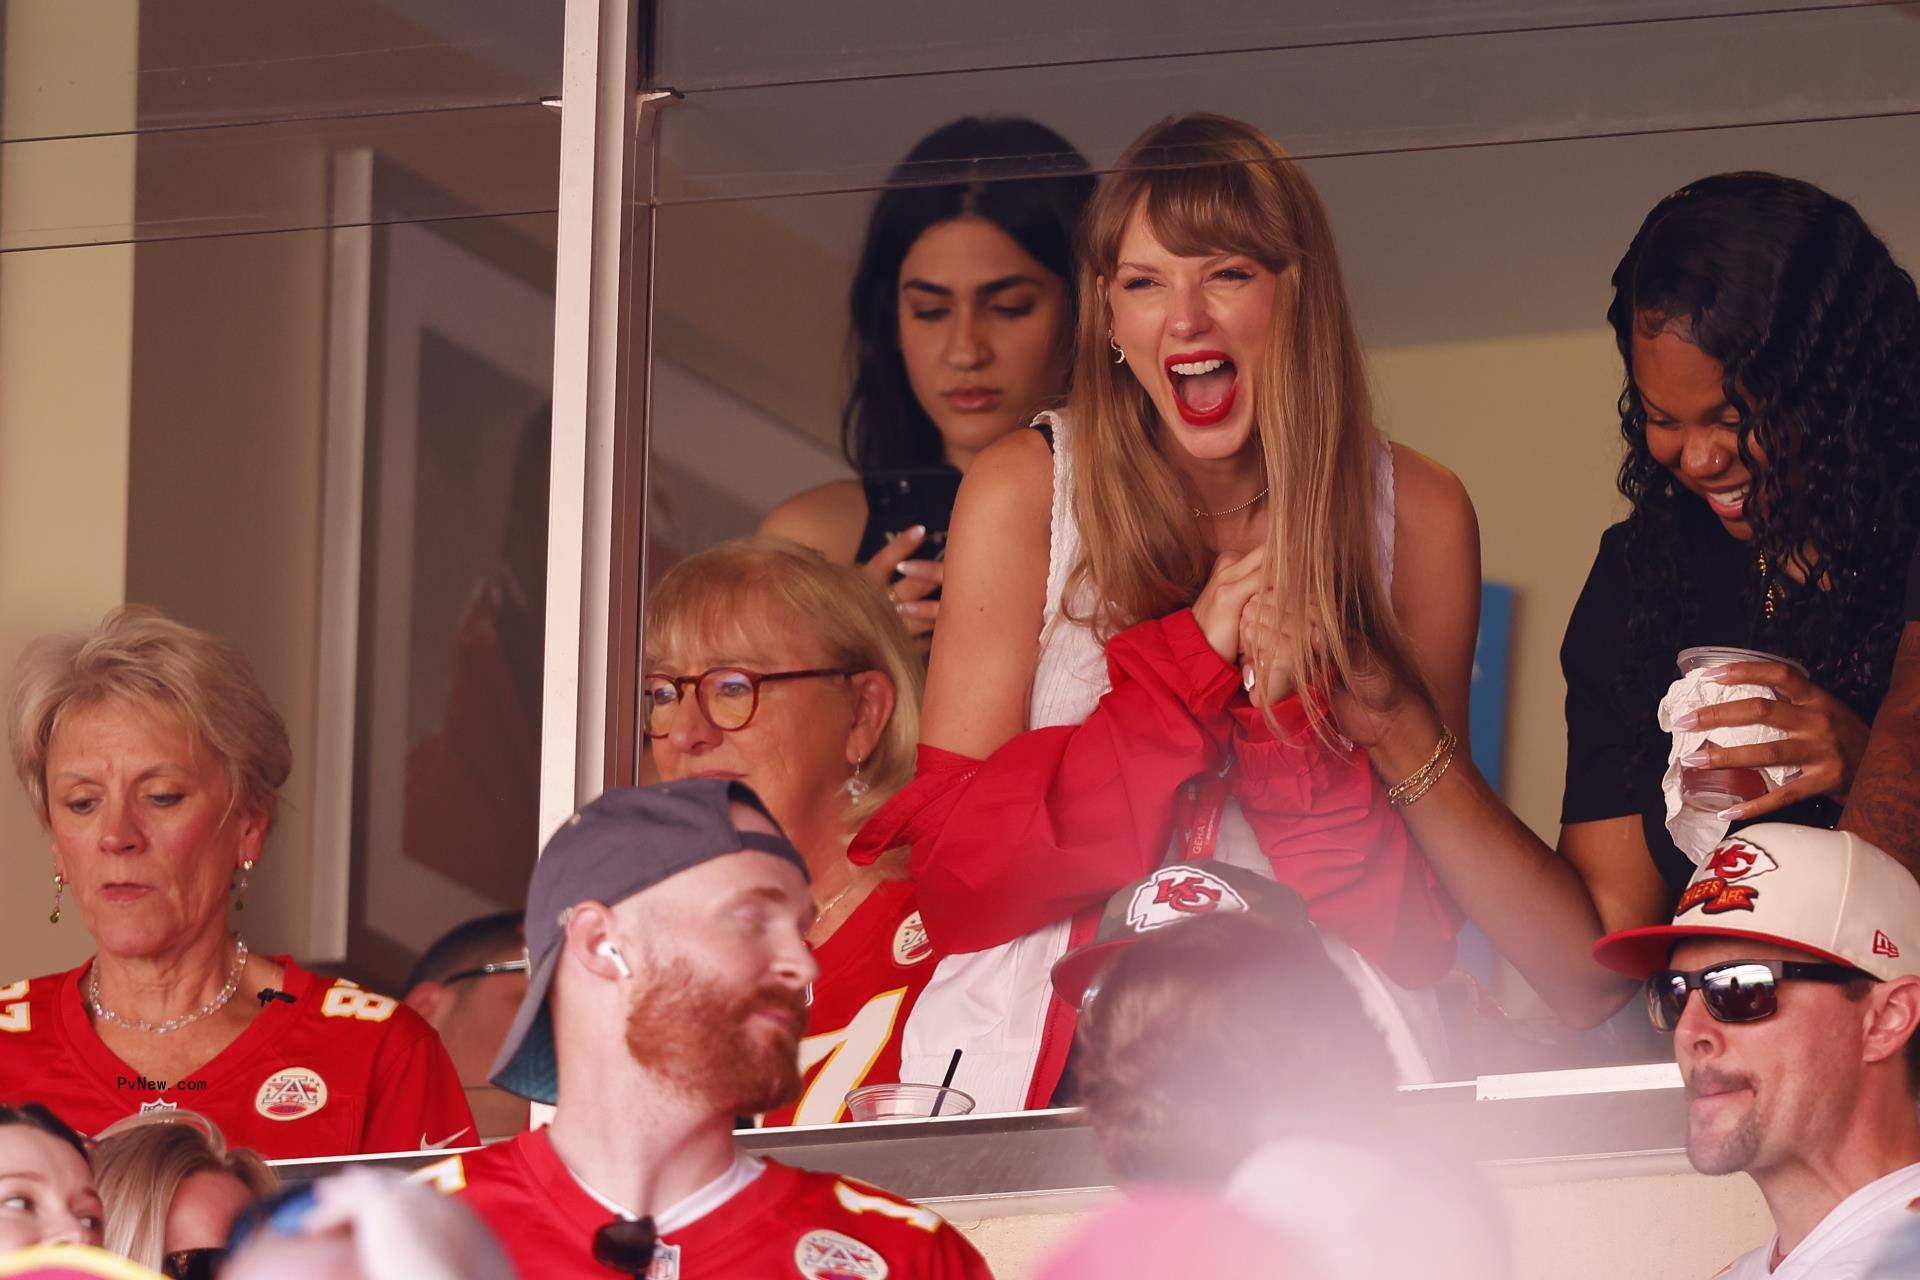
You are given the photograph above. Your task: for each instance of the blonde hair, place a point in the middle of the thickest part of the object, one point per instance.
(139, 1164)
(743, 590)
(140, 655)
(1206, 184)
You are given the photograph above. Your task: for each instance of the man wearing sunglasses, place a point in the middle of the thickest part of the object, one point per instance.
(1790, 979)
(666, 926)
(469, 986)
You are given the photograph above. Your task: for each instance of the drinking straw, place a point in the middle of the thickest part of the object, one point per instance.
(953, 1065)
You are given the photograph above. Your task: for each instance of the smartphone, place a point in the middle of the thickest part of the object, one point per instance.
(900, 497)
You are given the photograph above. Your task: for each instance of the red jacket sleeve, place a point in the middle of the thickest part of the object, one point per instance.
(1058, 818)
(417, 1102)
(1323, 820)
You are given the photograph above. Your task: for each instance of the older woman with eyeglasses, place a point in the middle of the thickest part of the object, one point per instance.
(767, 662)
(154, 760)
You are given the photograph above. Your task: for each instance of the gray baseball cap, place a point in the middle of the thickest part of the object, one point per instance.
(622, 843)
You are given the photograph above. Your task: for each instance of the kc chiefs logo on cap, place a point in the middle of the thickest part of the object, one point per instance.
(1175, 893)
(1725, 885)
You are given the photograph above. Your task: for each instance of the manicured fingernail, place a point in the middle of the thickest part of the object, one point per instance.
(1734, 814)
(1719, 675)
(1696, 759)
(918, 531)
(1686, 721)
(911, 568)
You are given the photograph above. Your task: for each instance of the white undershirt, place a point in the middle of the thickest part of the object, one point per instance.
(738, 1176)
(1848, 1241)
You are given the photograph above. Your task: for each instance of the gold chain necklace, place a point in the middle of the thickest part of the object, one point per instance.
(839, 897)
(1760, 562)
(1209, 515)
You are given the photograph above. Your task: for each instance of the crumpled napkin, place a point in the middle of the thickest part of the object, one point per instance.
(1694, 831)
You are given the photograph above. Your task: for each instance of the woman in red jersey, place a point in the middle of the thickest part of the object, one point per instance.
(768, 663)
(154, 759)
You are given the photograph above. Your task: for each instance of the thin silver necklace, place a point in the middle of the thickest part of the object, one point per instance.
(214, 1005)
(1208, 515)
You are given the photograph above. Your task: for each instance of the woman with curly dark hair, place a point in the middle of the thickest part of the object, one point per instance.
(1772, 421)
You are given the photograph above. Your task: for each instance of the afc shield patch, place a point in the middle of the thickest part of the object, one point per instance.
(291, 1094)
(828, 1255)
(910, 945)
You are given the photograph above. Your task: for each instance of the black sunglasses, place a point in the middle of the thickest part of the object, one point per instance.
(193, 1264)
(625, 1244)
(1737, 990)
(498, 966)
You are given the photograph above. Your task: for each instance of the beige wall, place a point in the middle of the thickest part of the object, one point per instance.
(1527, 424)
(223, 499)
(66, 333)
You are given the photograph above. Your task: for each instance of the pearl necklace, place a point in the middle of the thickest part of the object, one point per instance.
(1208, 515)
(214, 1005)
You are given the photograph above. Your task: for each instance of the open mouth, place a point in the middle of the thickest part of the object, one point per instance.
(1729, 504)
(1204, 385)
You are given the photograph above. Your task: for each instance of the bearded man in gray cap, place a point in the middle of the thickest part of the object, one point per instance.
(666, 930)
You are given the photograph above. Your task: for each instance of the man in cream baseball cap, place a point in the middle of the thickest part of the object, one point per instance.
(1799, 1054)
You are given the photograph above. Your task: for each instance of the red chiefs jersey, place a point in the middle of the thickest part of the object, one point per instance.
(760, 1221)
(339, 1071)
(872, 970)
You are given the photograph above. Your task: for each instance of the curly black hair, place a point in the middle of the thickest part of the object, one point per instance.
(1817, 330)
(1016, 173)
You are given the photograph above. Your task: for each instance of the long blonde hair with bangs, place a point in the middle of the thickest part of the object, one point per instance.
(1206, 185)
(748, 587)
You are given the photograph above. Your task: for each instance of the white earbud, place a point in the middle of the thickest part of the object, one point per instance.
(612, 953)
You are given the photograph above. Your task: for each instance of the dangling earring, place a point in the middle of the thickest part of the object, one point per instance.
(857, 786)
(1119, 356)
(240, 898)
(59, 887)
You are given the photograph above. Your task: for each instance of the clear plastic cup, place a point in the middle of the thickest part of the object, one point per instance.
(906, 1101)
(1713, 790)
(1700, 657)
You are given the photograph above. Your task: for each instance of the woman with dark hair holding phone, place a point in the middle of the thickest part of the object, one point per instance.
(962, 328)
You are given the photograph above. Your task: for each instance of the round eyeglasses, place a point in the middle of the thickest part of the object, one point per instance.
(727, 696)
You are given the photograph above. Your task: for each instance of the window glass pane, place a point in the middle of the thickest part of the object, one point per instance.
(1479, 277)
(716, 44)
(276, 317)
(232, 62)
(280, 176)
(1344, 99)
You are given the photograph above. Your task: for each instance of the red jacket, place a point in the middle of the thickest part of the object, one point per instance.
(1057, 819)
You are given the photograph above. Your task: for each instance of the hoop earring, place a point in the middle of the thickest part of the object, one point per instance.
(857, 787)
(59, 887)
(240, 898)
(1119, 356)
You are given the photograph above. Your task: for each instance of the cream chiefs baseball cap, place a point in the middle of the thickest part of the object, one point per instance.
(1828, 893)
(1173, 894)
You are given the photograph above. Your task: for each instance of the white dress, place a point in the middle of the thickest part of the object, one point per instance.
(993, 1003)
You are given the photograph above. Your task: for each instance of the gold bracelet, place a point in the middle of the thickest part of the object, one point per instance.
(1421, 780)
